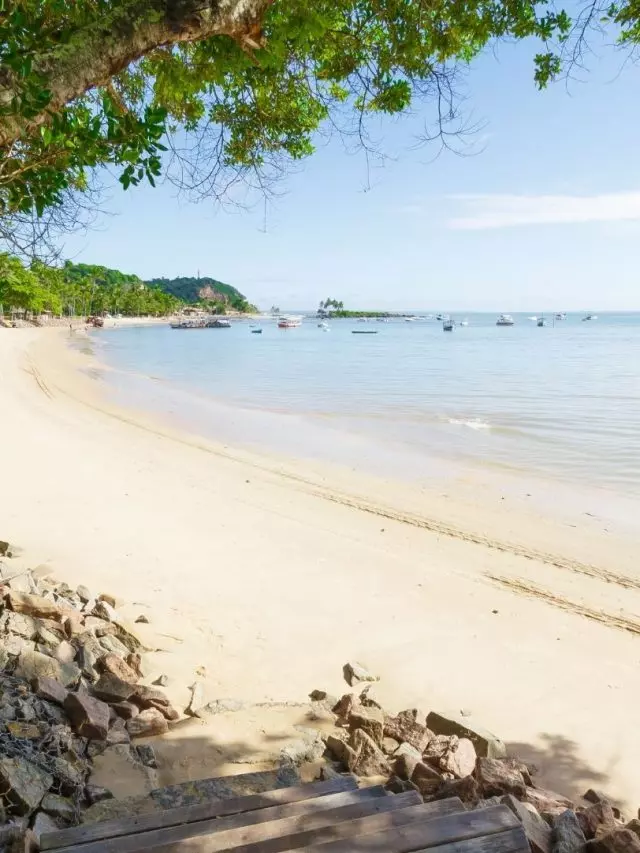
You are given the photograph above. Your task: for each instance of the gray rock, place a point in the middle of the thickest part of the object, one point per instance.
(83, 594)
(196, 703)
(24, 784)
(355, 672)
(225, 706)
(12, 645)
(147, 756)
(126, 710)
(370, 720)
(405, 759)
(307, 749)
(426, 779)
(148, 722)
(43, 824)
(114, 664)
(21, 624)
(595, 816)
(89, 716)
(318, 695)
(118, 733)
(486, 744)
(32, 664)
(96, 794)
(103, 610)
(89, 653)
(49, 689)
(370, 760)
(567, 835)
(113, 689)
(451, 755)
(162, 681)
(51, 639)
(497, 778)
(65, 652)
(112, 644)
(142, 619)
(60, 807)
(406, 728)
(112, 600)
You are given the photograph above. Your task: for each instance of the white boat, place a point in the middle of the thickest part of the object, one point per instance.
(289, 322)
(463, 323)
(561, 316)
(217, 323)
(505, 320)
(533, 319)
(324, 326)
(411, 319)
(590, 317)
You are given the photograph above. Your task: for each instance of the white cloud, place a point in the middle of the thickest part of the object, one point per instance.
(507, 211)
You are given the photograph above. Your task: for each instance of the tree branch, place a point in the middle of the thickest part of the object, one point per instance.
(91, 55)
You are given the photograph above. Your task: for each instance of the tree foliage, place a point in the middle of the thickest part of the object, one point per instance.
(78, 289)
(234, 88)
(210, 292)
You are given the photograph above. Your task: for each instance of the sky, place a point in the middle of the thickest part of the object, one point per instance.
(542, 212)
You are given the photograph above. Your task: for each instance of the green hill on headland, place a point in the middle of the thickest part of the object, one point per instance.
(205, 290)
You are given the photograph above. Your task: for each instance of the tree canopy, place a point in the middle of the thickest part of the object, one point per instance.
(210, 92)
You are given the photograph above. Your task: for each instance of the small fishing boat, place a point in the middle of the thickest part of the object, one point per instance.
(442, 317)
(505, 320)
(324, 326)
(289, 322)
(533, 319)
(590, 317)
(541, 322)
(256, 331)
(463, 323)
(364, 331)
(217, 323)
(561, 316)
(448, 326)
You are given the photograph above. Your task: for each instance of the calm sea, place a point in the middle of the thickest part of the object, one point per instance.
(561, 401)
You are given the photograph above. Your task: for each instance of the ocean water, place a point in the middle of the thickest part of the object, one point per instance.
(562, 401)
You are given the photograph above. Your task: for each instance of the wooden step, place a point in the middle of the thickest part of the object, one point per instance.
(491, 830)
(84, 835)
(279, 834)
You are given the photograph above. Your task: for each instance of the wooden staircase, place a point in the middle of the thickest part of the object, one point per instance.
(328, 817)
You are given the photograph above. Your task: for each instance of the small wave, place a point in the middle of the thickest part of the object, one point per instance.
(473, 423)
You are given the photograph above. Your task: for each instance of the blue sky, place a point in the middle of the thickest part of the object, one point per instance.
(546, 214)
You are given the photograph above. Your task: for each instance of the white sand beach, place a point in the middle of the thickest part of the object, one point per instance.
(271, 575)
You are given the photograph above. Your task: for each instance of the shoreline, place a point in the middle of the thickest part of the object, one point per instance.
(274, 576)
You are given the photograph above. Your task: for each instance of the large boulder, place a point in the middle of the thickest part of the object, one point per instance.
(596, 819)
(32, 664)
(369, 760)
(497, 778)
(426, 779)
(567, 835)
(88, 715)
(536, 829)
(405, 728)
(452, 755)
(148, 722)
(355, 672)
(619, 840)
(370, 720)
(487, 745)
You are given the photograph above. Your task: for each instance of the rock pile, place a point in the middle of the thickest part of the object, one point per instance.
(442, 755)
(70, 688)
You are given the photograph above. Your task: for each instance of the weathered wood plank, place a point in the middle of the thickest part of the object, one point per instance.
(186, 814)
(511, 841)
(276, 834)
(409, 830)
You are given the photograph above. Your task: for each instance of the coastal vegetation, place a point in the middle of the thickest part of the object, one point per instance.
(86, 289)
(216, 296)
(214, 94)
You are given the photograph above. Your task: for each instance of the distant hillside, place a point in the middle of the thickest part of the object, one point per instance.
(202, 290)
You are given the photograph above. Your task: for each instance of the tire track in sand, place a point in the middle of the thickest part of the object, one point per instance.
(558, 562)
(530, 590)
